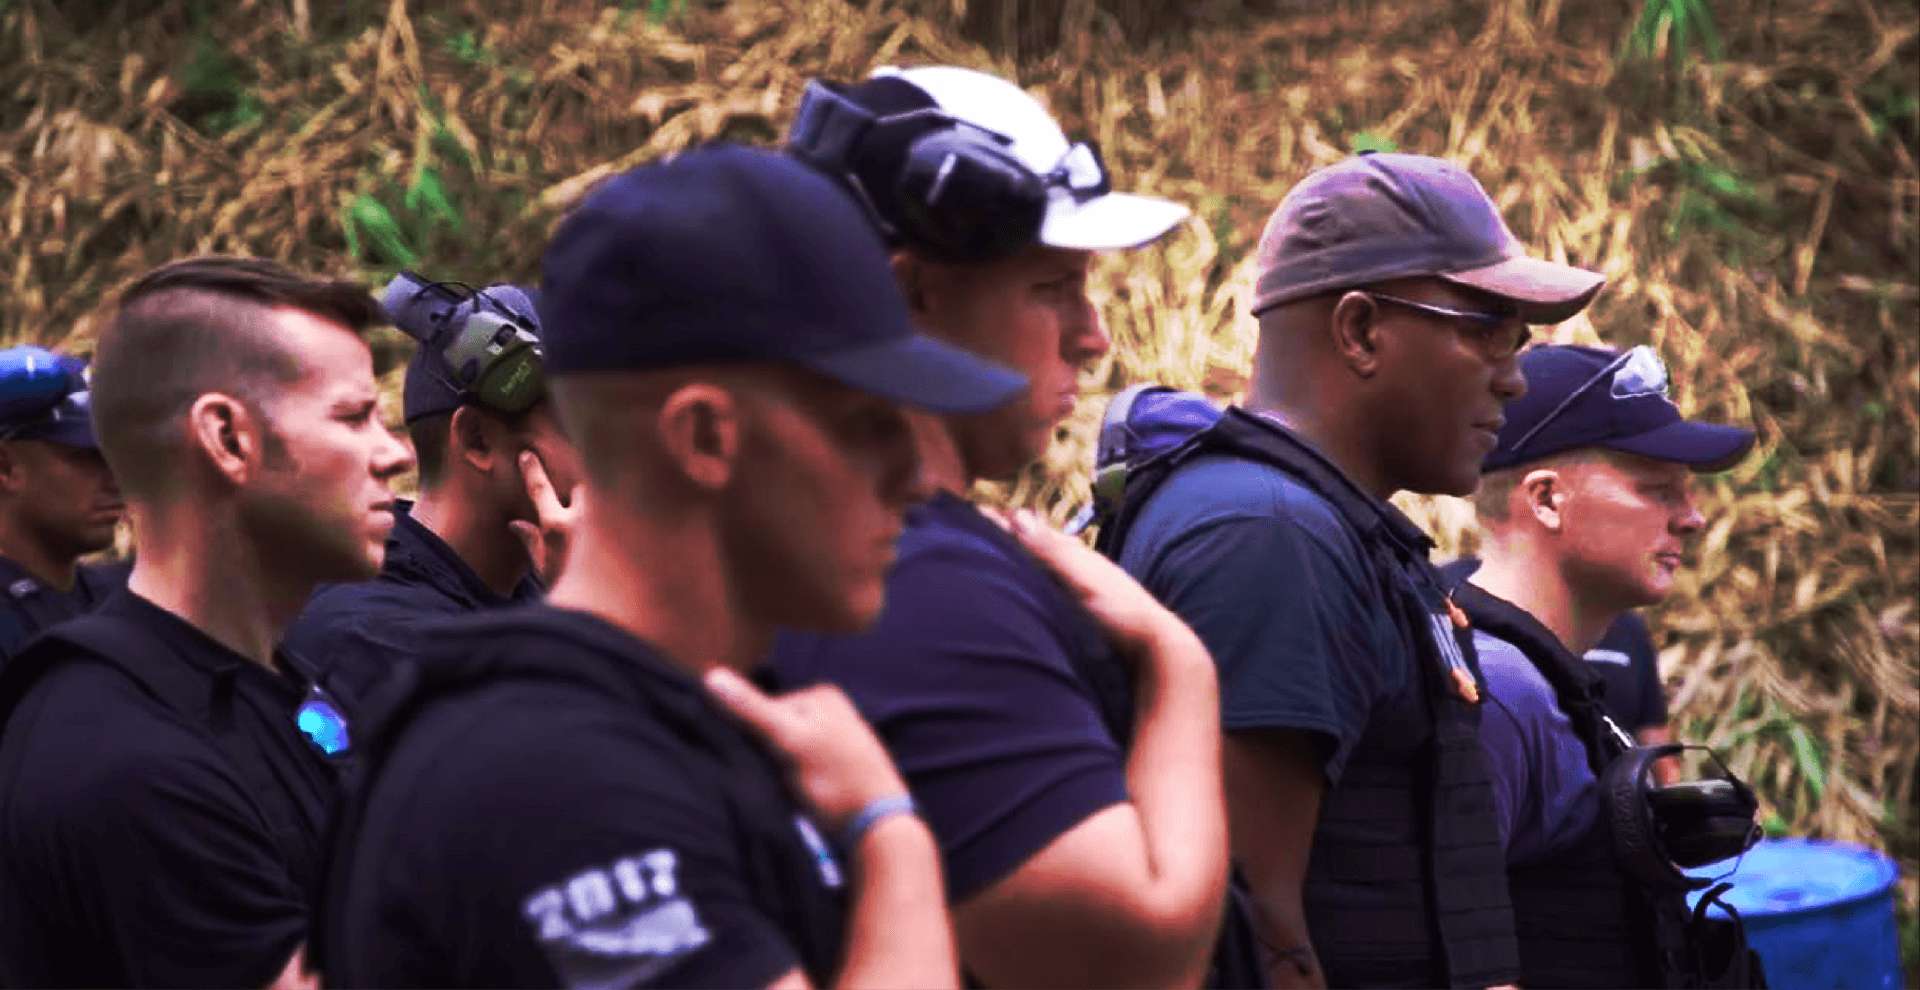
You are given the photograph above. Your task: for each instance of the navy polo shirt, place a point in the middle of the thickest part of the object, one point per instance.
(1278, 586)
(995, 693)
(27, 605)
(160, 827)
(1625, 659)
(353, 633)
(1545, 795)
(561, 806)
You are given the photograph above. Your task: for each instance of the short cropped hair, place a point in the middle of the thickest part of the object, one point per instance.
(432, 438)
(197, 326)
(1493, 499)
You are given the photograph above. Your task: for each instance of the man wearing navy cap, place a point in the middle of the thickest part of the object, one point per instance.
(1588, 511)
(1082, 828)
(589, 792)
(58, 502)
(1392, 302)
(494, 465)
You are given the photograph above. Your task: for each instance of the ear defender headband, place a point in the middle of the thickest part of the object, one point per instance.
(962, 195)
(1658, 832)
(493, 356)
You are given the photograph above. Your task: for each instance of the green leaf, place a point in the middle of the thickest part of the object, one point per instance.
(1368, 141)
(370, 218)
(1774, 825)
(427, 197)
(1808, 757)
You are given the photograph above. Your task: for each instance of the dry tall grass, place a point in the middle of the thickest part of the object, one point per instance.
(1756, 215)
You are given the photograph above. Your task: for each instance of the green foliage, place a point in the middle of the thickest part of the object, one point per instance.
(661, 11)
(1682, 22)
(467, 47)
(216, 97)
(387, 236)
(1365, 141)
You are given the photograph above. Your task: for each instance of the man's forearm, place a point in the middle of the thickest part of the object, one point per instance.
(1173, 774)
(898, 934)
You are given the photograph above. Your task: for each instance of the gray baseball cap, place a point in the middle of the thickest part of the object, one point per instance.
(1384, 216)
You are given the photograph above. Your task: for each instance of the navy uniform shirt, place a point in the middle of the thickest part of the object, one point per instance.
(979, 677)
(27, 605)
(1544, 791)
(160, 827)
(1278, 586)
(1624, 658)
(354, 632)
(560, 806)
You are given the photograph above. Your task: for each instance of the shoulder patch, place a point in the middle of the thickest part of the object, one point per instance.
(618, 925)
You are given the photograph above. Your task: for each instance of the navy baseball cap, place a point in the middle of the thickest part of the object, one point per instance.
(1593, 397)
(430, 388)
(1384, 216)
(734, 254)
(44, 396)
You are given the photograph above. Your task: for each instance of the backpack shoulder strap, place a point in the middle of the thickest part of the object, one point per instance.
(1575, 686)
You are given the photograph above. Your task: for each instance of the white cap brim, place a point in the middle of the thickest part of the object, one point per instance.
(1109, 222)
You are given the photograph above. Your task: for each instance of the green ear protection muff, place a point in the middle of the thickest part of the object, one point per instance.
(492, 355)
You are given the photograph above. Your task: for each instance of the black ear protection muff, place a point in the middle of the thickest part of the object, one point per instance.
(1659, 832)
(962, 195)
(493, 356)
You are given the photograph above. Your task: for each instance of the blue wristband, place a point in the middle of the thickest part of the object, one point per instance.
(876, 810)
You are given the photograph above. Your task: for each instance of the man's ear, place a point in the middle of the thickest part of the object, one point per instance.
(228, 434)
(472, 436)
(12, 471)
(699, 426)
(1543, 491)
(1355, 332)
(912, 275)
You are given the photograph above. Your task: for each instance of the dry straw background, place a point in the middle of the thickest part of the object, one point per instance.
(1751, 192)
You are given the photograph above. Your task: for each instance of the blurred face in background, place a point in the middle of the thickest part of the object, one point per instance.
(61, 497)
(1029, 312)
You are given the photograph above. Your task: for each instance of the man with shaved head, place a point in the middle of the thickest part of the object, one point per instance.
(589, 792)
(167, 770)
(1392, 302)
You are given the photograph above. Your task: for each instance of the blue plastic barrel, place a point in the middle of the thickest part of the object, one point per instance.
(1820, 914)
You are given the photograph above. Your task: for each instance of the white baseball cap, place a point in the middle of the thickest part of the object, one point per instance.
(1082, 211)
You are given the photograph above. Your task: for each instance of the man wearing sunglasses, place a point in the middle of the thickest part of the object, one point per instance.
(1084, 846)
(1588, 512)
(496, 472)
(58, 502)
(1392, 304)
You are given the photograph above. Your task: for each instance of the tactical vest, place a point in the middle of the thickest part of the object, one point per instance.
(1407, 882)
(1582, 918)
(738, 778)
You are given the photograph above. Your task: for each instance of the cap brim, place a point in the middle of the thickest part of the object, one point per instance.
(67, 433)
(1545, 291)
(1700, 446)
(923, 372)
(1109, 222)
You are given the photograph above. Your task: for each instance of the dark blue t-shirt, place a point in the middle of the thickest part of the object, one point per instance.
(992, 689)
(352, 633)
(561, 806)
(1278, 587)
(28, 606)
(1624, 658)
(1544, 791)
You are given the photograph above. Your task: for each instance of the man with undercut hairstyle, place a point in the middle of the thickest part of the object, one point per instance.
(585, 793)
(1392, 304)
(1588, 511)
(1065, 752)
(166, 770)
(58, 502)
(496, 472)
